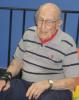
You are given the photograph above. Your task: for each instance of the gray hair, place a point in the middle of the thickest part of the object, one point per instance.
(48, 4)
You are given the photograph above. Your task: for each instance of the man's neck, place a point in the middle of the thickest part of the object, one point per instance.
(48, 38)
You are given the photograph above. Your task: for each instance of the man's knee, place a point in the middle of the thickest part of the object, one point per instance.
(16, 91)
(56, 95)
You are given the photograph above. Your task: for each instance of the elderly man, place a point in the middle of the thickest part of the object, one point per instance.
(47, 57)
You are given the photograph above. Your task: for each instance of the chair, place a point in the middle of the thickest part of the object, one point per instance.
(76, 92)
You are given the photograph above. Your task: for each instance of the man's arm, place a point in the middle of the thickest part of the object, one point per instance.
(36, 89)
(15, 67)
(68, 83)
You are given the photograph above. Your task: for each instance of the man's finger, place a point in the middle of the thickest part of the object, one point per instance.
(7, 86)
(38, 94)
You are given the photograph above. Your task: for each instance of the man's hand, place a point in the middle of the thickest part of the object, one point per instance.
(36, 89)
(4, 86)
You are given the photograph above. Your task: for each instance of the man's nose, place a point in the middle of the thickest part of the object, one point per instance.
(43, 24)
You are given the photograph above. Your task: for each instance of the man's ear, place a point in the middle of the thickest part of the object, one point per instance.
(59, 23)
(35, 21)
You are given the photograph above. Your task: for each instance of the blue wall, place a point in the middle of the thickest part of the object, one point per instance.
(64, 4)
(16, 33)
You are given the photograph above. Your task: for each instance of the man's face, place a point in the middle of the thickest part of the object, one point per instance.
(47, 23)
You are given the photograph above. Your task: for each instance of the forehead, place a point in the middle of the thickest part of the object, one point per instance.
(48, 12)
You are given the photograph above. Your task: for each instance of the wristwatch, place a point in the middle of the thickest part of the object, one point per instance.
(50, 83)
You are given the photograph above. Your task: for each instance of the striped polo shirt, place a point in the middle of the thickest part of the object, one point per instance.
(56, 59)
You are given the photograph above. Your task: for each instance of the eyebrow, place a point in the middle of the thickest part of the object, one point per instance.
(46, 18)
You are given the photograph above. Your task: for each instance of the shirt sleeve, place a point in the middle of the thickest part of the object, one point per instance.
(71, 63)
(19, 53)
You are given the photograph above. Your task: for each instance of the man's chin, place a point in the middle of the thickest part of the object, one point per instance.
(43, 35)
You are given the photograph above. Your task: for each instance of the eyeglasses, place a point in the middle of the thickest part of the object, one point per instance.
(47, 22)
